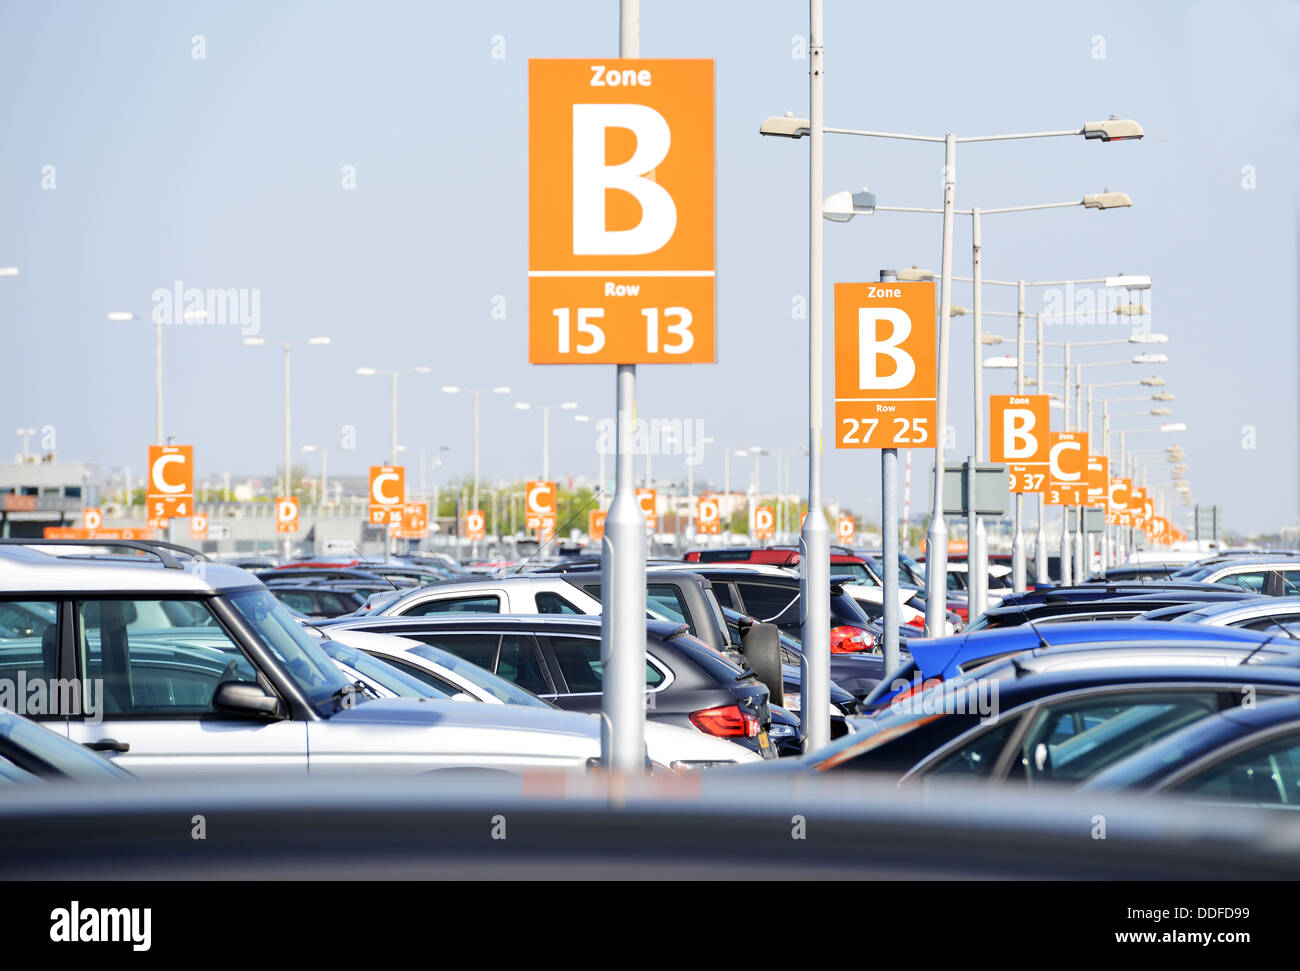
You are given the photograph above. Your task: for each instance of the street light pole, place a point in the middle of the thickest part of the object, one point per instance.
(1019, 573)
(1040, 552)
(977, 568)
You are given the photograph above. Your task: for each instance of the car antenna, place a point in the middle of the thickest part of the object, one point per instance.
(1271, 638)
(1042, 641)
(594, 498)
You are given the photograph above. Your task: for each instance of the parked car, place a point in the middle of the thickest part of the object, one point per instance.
(402, 667)
(1238, 756)
(943, 659)
(557, 658)
(1277, 576)
(317, 602)
(1035, 728)
(1264, 614)
(1060, 610)
(204, 671)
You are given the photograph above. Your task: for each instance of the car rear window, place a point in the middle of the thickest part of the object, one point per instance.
(713, 664)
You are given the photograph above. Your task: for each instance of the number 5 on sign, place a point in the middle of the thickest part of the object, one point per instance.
(884, 365)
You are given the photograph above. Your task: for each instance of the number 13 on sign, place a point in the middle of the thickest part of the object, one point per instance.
(884, 365)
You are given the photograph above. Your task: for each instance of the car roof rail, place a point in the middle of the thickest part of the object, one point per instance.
(164, 551)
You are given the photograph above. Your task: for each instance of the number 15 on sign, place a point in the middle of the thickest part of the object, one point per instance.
(884, 365)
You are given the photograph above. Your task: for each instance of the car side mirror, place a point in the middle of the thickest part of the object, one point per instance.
(246, 698)
(761, 645)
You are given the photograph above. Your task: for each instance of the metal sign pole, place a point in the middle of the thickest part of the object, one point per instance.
(889, 541)
(623, 556)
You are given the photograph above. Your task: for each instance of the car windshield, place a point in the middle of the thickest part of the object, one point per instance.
(385, 675)
(498, 687)
(300, 655)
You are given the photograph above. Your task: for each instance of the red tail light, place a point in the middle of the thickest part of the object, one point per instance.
(850, 640)
(726, 722)
(914, 688)
(918, 622)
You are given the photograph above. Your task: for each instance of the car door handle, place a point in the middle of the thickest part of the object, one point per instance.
(108, 745)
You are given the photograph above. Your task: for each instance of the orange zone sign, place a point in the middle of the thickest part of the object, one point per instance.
(1067, 469)
(620, 211)
(199, 526)
(1098, 476)
(708, 516)
(846, 529)
(475, 525)
(646, 499)
(1018, 437)
(764, 522)
(885, 374)
(539, 504)
(286, 514)
(387, 494)
(169, 492)
(596, 525)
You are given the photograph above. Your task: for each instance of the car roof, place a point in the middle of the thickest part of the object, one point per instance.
(49, 569)
(584, 623)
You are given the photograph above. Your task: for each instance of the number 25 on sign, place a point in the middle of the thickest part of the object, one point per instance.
(884, 365)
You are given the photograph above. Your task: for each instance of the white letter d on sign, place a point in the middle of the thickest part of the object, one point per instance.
(870, 349)
(591, 177)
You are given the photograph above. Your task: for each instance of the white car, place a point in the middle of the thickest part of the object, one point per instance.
(171, 666)
(443, 673)
(872, 601)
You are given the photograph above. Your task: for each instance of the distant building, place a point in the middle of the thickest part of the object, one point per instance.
(34, 495)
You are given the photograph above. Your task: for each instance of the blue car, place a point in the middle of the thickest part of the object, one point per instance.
(944, 658)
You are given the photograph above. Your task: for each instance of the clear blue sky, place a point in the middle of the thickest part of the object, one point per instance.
(225, 172)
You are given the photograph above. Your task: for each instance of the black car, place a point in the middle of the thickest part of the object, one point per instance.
(1240, 755)
(557, 657)
(772, 595)
(317, 602)
(1056, 726)
(311, 574)
(1113, 588)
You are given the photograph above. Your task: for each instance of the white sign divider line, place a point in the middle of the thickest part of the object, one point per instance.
(885, 399)
(622, 273)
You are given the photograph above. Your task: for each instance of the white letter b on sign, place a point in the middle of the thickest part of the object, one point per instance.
(870, 349)
(1018, 442)
(591, 177)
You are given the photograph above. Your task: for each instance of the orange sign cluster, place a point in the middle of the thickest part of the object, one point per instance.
(621, 211)
(1130, 506)
(885, 365)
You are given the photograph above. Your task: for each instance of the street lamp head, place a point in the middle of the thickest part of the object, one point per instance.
(1113, 129)
(1009, 361)
(843, 206)
(1055, 402)
(1153, 382)
(957, 311)
(450, 389)
(1174, 426)
(522, 405)
(1150, 358)
(193, 315)
(915, 275)
(501, 390)
(121, 315)
(1163, 396)
(318, 341)
(366, 371)
(992, 339)
(1160, 412)
(254, 341)
(1107, 200)
(8, 271)
(785, 126)
(421, 369)
(1131, 310)
(582, 418)
(569, 405)
(1148, 339)
(1129, 281)
(309, 448)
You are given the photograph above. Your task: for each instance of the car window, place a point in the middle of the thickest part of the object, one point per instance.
(859, 572)
(483, 604)
(293, 647)
(1268, 774)
(1278, 625)
(1290, 582)
(764, 601)
(549, 602)
(666, 599)
(1073, 740)
(425, 677)
(979, 755)
(1251, 582)
(299, 600)
(722, 590)
(480, 649)
(580, 664)
(518, 663)
(28, 640)
(162, 670)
